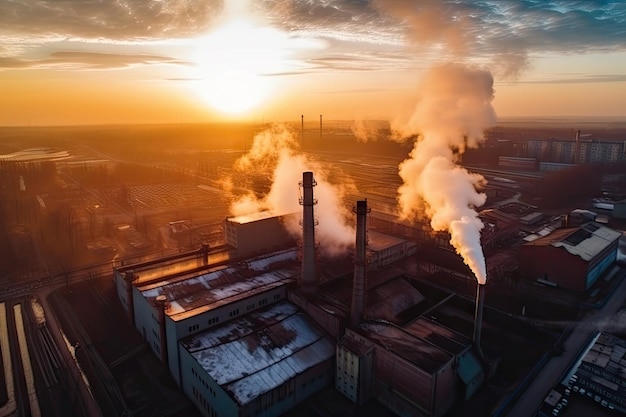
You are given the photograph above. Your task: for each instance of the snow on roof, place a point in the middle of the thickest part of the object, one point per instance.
(260, 351)
(213, 288)
(262, 264)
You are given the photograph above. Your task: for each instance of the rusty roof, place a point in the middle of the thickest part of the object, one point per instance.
(256, 353)
(413, 349)
(586, 241)
(210, 289)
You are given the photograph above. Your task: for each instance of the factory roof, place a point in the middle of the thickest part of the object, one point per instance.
(259, 352)
(256, 216)
(194, 294)
(379, 241)
(423, 354)
(497, 216)
(438, 335)
(586, 241)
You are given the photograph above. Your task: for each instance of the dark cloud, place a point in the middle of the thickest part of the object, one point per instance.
(86, 60)
(106, 19)
(502, 32)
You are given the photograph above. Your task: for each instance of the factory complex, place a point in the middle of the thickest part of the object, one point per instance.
(272, 324)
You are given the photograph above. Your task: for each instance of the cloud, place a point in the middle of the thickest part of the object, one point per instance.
(109, 20)
(372, 35)
(503, 34)
(86, 60)
(579, 79)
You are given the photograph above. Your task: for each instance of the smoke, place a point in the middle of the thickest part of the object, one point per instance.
(276, 156)
(367, 130)
(457, 30)
(454, 109)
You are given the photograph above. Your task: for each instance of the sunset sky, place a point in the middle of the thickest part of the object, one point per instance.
(68, 62)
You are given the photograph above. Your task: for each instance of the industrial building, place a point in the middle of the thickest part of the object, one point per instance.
(601, 371)
(246, 336)
(242, 232)
(577, 150)
(572, 258)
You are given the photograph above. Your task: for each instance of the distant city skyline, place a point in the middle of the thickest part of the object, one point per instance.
(140, 61)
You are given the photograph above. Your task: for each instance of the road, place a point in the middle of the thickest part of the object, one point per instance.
(530, 401)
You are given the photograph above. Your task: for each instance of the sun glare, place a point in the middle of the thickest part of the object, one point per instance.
(235, 64)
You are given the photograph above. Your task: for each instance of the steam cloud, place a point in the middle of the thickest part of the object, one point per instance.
(454, 110)
(276, 153)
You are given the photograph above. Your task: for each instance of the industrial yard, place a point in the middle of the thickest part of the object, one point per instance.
(110, 210)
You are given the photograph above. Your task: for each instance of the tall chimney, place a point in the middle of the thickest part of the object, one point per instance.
(309, 275)
(320, 126)
(302, 131)
(478, 318)
(358, 281)
(577, 146)
(204, 251)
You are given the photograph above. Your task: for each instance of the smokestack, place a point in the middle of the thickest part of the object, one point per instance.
(204, 250)
(358, 281)
(309, 275)
(478, 318)
(161, 307)
(320, 126)
(577, 148)
(302, 131)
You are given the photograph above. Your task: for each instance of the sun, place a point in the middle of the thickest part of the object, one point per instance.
(235, 64)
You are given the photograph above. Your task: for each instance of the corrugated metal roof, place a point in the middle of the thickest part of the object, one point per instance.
(593, 240)
(259, 352)
(586, 241)
(438, 335)
(217, 287)
(262, 264)
(411, 348)
(378, 241)
(392, 298)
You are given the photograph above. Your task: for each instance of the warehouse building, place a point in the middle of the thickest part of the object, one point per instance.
(262, 364)
(243, 232)
(571, 258)
(422, 368)
(174, 306)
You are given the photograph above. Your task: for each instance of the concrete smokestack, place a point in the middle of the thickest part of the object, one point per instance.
(302, 131)
(478, 318)
(358, 282)
(320, 126)
(309, 274)
(577, 148)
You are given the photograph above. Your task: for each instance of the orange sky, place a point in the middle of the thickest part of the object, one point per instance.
(194, 61)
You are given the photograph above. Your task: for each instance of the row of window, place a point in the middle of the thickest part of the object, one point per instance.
(233, 313)
(204, 403)
(203, 382)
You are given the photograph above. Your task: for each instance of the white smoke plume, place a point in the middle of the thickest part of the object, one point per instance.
(452, 114)
(364, 130)
(276, 153)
